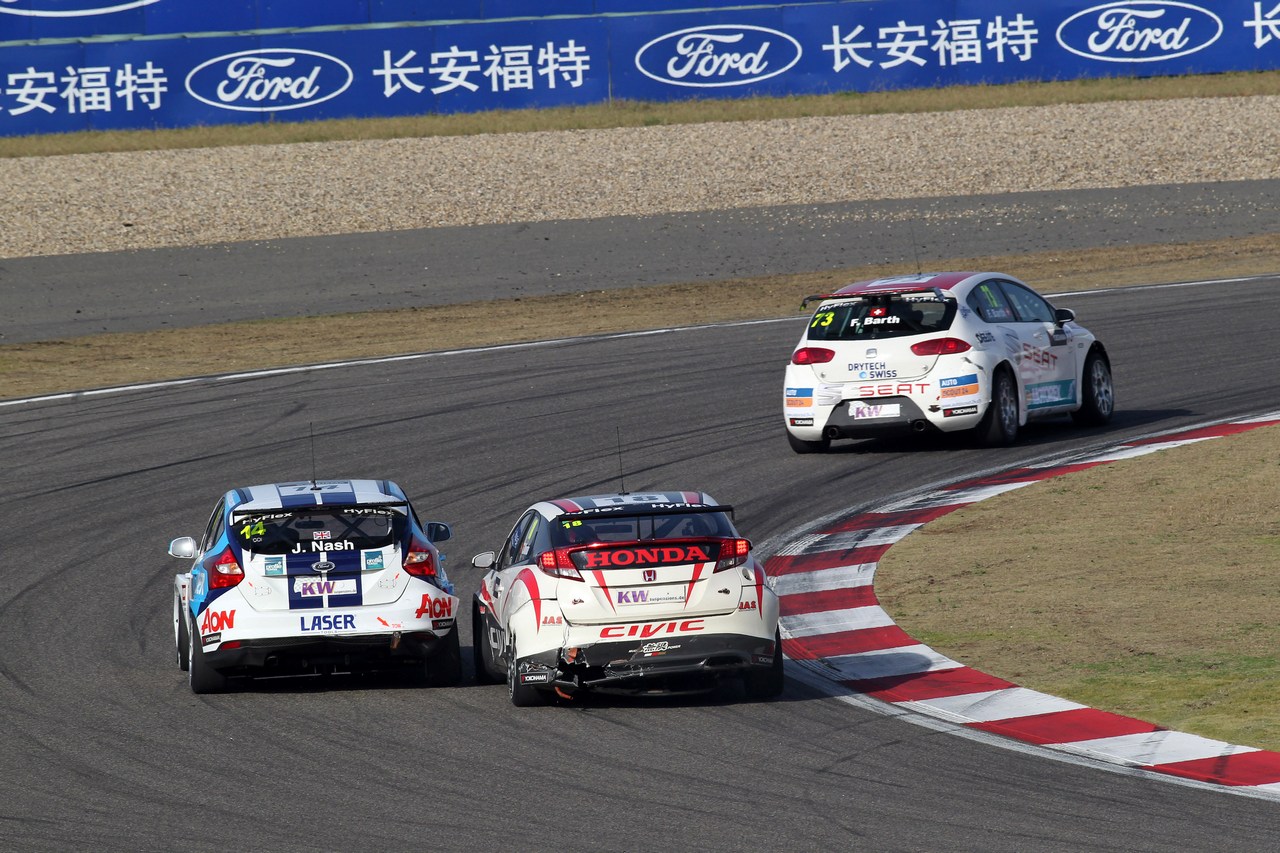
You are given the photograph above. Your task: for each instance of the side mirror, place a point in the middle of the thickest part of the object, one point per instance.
(484, 559)
(438, 531)
(185, 547)
(1063, 315)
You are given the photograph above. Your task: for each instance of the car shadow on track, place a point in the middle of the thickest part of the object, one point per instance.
(1046, 433)
(729, 691)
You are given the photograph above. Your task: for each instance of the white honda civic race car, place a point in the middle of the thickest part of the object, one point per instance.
(630, 593)
(945, 352)
(315, 577)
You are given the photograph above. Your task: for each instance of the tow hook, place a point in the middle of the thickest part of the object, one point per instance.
(395, 641)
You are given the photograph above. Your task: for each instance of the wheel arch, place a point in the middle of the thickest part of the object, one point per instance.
(1019, 389)
(1096, 347)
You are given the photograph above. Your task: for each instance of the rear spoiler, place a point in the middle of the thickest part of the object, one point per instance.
(631, 512)
(286, 512)
(818, 297)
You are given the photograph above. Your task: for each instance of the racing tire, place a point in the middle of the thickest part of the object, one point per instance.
(1098, 396)
(202, 677)
(999, 424)
(444, 668)
(800, 445)
(480, 648)
(182, 641)
(766, 684)
(522, 695)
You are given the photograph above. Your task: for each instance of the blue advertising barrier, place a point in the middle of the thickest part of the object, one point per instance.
(302, 75)
(24, 20)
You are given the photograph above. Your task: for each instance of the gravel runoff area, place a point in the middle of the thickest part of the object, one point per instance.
(112, 202)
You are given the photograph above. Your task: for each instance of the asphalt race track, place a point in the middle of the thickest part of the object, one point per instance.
(103, 746)
(67, 295)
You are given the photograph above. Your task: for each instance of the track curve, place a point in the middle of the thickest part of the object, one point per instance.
(839, 638)
(104, 747)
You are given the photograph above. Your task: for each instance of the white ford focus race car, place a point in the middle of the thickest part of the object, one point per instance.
(631, 593)
(940, 351)
(315, 577)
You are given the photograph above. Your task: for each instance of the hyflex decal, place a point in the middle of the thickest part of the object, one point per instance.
(1139, 31)
(718, 55)
(57, 8)
(269, 80)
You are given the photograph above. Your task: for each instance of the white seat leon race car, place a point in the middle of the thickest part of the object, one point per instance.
(315, 577)
(629, 593)
(945, 352)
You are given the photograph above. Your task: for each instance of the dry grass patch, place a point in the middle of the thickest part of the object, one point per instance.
(1145, 587)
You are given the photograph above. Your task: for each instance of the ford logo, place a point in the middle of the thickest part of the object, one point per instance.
(269, 80)
(718, 55)
(89, 8)
(323, 566)
(1139, 31)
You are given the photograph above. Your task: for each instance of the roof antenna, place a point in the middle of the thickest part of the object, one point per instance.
(315, 487)
(622, 478)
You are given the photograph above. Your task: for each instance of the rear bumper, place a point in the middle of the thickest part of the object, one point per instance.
(295, 655)
(869, 418)
(237, 639)
(669, 665)
(864, 417)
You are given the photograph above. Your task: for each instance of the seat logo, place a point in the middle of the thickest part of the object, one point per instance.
(718, 55)
(1139, 31)
(56, 9)
(269, 80)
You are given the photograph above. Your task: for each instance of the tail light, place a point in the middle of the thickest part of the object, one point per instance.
(558, 564)
(941, 346)
(733, 552)
(812, 355)
(225, 570)
(420, 561)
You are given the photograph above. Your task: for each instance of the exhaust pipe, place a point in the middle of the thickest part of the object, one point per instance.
(831, 432)
(918, 426)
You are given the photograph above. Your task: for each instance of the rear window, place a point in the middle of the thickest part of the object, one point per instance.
(567, 530)
(318, 529)
(881, 316)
